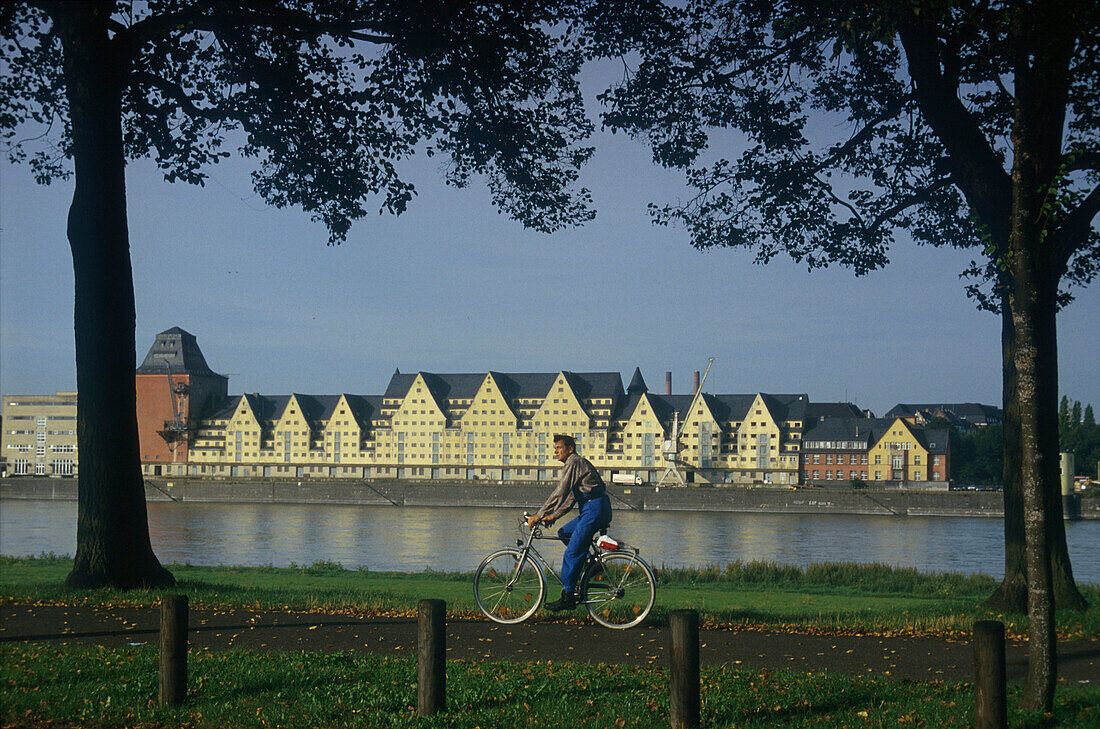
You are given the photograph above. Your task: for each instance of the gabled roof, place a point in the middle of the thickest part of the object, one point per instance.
(637, 383)
(731, 407)
(785, 407)
(513, 385)
(175, 352)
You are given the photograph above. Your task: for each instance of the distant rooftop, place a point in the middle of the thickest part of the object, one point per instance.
(175, 352)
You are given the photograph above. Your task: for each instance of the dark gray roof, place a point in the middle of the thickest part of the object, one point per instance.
(864, 430)
(176, 352)
(637, 383)
(818, 410)
(513, 385)
(933, 440)
(974, 412)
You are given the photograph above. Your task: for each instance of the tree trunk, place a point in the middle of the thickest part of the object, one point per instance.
(1036, 363)
(1040, 66)
(112, 537)
(1011, 594)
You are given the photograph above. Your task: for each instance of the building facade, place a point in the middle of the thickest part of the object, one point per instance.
(875, 450)
(495, 426)
(175, 387)
(39, 435)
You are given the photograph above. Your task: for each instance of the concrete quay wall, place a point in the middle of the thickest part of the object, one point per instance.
(530, 496)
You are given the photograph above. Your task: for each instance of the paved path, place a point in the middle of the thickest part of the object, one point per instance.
(909, 658)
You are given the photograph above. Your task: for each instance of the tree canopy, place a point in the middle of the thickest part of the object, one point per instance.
(327, 97)
(967, 124)
(853, 122)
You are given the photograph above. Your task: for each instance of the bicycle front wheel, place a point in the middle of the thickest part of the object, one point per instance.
(619, 590)
(508, 587)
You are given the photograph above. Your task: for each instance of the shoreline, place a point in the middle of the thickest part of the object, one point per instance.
(894, 502)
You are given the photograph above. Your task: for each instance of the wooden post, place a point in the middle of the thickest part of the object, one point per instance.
(173, 649)
(684, 669)
(990, 710)
(431, 657)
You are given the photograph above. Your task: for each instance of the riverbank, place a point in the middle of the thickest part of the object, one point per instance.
(894, 502)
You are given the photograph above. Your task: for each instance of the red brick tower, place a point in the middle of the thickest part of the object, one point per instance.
(175, 388)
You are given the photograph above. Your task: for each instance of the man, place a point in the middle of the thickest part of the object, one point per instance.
(579, 484)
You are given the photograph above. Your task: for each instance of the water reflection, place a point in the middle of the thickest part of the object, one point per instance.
(454, 538)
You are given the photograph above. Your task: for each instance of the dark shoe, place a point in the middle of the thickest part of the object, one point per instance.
(565, 602)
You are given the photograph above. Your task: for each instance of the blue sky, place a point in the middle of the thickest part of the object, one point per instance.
(453, 286)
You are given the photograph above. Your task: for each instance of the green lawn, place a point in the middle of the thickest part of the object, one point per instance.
(101, 687)
(868, 598)
(84, 686)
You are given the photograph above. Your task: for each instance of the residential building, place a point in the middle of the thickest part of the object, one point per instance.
(961, 414)
(39, 435)
(495, 426)
(907, 453)
(837, 449)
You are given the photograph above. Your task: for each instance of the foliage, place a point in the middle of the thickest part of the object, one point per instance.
(1079, 433)
(96, 686)
(838, 150)
(326, 97)
(977, 456)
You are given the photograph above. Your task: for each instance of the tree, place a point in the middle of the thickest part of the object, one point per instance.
(325, 95)
(967, 124)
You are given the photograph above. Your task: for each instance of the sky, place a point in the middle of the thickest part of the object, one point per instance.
(454, 286)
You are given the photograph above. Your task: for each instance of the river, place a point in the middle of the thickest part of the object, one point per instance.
(414, 538)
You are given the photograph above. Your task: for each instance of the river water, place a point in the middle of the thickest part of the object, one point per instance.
(414, 538)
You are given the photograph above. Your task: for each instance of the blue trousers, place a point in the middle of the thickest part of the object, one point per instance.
(577, 535)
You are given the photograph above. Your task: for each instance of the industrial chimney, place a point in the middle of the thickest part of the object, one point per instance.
(695, 383)
(668, 383)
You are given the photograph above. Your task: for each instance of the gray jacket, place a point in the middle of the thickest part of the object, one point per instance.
(576, 471)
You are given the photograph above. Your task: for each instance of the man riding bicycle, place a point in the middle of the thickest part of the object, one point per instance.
(580, 484)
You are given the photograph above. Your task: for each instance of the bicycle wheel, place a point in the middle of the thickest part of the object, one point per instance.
(507, 591)
(621, 594)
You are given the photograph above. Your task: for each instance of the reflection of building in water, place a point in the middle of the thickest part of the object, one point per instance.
(495, 426)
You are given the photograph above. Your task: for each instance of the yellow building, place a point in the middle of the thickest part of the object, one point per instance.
(500, 426)
(906, 453)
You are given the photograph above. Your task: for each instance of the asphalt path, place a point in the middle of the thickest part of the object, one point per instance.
(922, 659)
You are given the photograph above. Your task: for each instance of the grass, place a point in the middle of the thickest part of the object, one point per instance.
(91, 686)
(825, 597)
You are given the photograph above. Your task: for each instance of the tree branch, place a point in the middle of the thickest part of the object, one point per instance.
(977, 170)
(1074, 230)
(210, 15)
(1084, 160)
(839, 151)
(916, 198)
(177, 93)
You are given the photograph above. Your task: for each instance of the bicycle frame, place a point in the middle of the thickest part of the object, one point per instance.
(528, 551)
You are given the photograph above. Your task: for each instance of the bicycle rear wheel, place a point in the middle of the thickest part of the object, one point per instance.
(621, 594)
(506, 589)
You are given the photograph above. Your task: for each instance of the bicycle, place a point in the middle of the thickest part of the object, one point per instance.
(617, 586)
